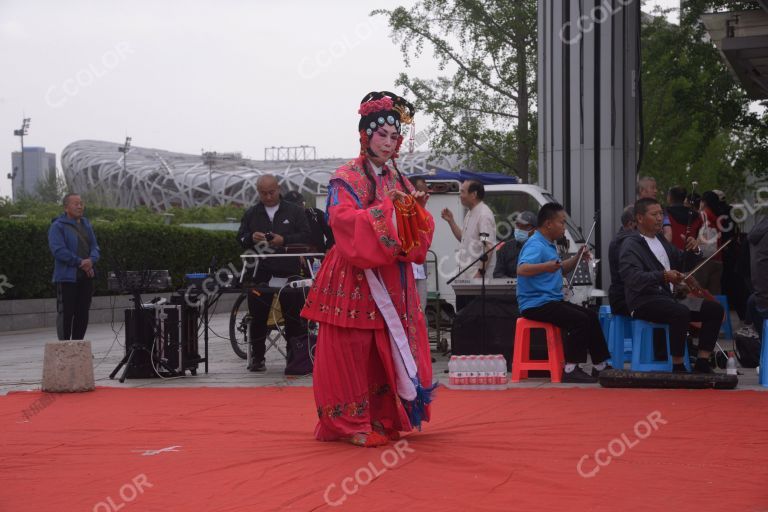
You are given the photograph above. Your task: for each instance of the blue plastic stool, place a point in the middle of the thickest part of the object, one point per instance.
(620, 340)
(726, 328)
(605, 319)
(642, 349)
(764, 357)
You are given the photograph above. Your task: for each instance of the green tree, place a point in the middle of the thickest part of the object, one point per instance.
(697, 119)
(51, 189)
(482, 107)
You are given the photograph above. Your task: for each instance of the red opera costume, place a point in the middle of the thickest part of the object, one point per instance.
(365, 300)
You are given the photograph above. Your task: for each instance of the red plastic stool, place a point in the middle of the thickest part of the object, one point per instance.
(521, 359)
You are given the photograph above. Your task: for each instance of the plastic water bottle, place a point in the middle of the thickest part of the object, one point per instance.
(315, 267)
(480, 372)
(452, 363)
(486, 372)
(730, 366)
(501, 371)
(460, 371)
(472, 367)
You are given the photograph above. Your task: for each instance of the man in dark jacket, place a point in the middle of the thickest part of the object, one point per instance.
(506, 257)
(758, 247)
(649, 267)
(616, 291)
(268, 228)
(75, 251)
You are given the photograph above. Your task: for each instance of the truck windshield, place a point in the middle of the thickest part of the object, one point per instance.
(505, 205)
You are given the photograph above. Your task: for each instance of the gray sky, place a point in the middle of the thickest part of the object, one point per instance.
(231, 75)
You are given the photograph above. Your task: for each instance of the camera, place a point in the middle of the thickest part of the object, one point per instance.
(269, 236)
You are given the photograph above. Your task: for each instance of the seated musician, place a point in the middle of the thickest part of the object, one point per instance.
(540, 297)
(650, 266)
(267, 228)
(506, 255)
(616, 291)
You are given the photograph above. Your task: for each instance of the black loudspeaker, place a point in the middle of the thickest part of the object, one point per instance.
(140, 333)
(177, 348)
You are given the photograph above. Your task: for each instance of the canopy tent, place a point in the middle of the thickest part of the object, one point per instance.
(486, 178)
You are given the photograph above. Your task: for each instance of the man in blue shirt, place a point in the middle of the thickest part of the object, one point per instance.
(540, 297)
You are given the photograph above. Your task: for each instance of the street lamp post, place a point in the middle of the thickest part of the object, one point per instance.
(124, 150)
(21, 133)
(209, 157)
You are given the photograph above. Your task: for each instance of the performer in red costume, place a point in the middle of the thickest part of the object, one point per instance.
(373, 369)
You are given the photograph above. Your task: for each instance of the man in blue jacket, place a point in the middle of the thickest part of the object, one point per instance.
(75, 251)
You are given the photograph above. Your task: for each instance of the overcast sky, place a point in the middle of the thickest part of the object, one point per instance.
(230, 75)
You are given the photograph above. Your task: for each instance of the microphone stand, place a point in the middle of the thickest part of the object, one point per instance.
(482, 258)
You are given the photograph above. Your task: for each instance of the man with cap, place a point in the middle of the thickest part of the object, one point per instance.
(506, 262)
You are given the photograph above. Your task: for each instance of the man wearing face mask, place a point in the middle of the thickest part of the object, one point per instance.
(506, 263)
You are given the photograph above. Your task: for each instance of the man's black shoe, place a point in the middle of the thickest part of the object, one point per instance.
(702, 366)
(679, 368)
(257, 367)
(596, 373)
(578, 376)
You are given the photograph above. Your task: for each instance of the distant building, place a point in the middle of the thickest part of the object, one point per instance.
(161, 179)
(39, 165)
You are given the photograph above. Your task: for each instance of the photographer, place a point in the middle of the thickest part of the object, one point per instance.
(268, 227)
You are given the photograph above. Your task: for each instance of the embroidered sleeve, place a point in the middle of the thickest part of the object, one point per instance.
(366, 237)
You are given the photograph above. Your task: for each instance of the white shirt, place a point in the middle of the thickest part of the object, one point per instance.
(477, 220)
(656, 247)
(271, 211)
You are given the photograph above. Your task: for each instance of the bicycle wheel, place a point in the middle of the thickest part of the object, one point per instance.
(239, 324)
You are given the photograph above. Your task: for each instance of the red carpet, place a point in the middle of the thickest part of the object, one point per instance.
(252, 449)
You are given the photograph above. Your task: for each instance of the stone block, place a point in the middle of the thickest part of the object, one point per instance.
(68, 367)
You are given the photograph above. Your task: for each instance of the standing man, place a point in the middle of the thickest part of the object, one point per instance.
(75, 252)
(267, 228)
(540, 297)
(646, 188)
(420, 273)
(477, 236)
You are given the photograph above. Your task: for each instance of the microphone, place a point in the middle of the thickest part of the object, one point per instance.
(212, 265)
(484, 237)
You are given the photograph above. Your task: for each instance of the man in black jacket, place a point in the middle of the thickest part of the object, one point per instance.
(649, 266)
(616, 291)
(267, 228)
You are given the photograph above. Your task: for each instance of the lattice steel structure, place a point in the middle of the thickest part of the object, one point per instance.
(162, 179)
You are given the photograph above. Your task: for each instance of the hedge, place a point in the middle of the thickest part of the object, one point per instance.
(27, 263)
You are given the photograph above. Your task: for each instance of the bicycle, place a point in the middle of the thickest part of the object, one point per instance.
(240, 323)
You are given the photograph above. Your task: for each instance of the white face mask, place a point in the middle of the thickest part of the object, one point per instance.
(521, 235)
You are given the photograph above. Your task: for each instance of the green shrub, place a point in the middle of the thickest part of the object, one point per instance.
(27, 262)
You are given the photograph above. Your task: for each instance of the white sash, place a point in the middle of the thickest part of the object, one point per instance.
(405, 366)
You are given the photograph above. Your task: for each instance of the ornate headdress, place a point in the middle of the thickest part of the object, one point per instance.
(380, 108)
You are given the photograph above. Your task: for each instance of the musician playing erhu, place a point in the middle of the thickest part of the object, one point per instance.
(540, 297)
(651, 267)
